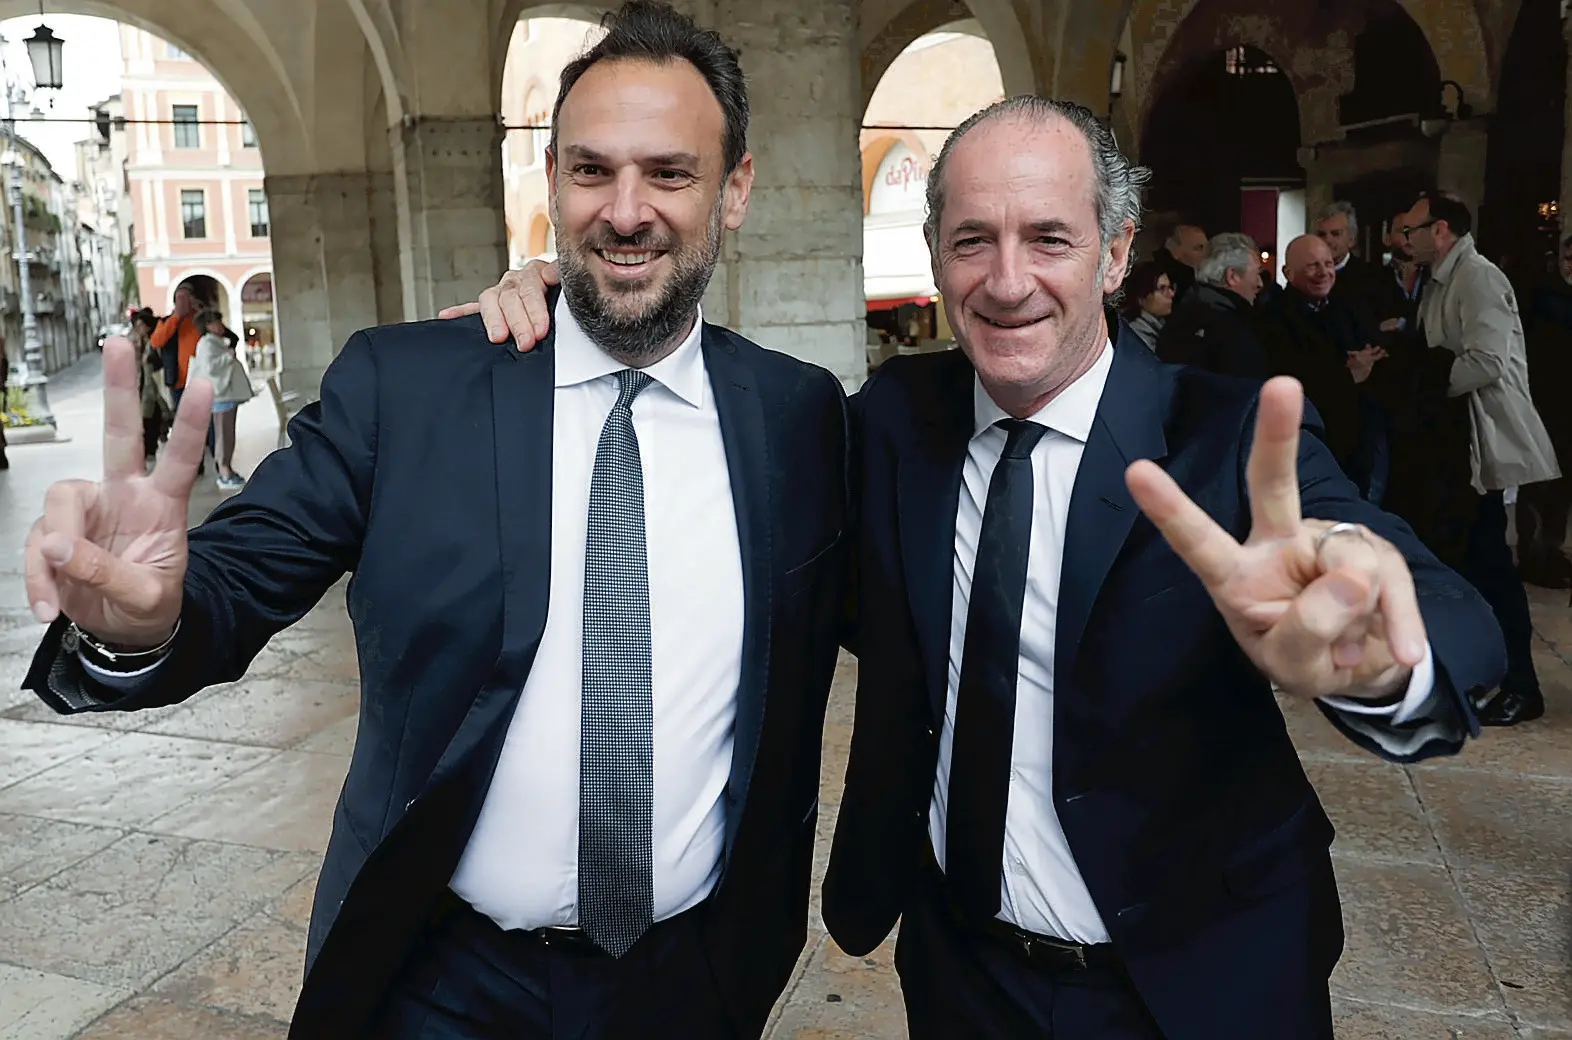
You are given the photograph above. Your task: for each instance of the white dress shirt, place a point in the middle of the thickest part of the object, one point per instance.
(1042, 889)
(520, 867)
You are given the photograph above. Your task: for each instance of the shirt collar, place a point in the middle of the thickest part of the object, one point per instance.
(580, 359)
(1440, 272)
(1070, 413)
(1344, 262)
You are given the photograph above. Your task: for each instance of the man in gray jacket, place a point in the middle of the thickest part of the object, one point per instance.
(1469, 308)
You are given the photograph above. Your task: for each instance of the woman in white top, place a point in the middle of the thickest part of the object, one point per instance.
(216, 361)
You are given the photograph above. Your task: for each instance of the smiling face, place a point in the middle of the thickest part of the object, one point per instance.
(639, 196)
(1310, 267)
(1018, 258)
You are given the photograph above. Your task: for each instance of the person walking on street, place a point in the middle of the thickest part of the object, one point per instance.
(216, 362)
(1469, 308)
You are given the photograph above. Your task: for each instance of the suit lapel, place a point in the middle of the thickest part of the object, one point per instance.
(929, 485)
(737, 401)
(1129, 426)
(522, 393)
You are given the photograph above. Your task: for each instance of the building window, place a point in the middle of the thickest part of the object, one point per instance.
(248, 135)
(193, 212)
(174, 53)
(257, 201)
(1241, 60)
(188, 132)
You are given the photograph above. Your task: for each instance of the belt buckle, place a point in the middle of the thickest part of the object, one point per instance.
(1080, 956)
(552, 934)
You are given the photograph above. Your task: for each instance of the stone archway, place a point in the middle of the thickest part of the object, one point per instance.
(226, 38)
(1320, 69)
(1452, 28)
(890, 26)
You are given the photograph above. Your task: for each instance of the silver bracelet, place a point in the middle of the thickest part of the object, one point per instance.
(76, 640)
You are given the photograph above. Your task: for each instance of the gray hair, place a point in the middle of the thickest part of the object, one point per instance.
(1117, 181)
(1230, 251)
(1340, 209)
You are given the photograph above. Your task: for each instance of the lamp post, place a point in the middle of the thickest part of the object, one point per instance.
(44, 54)
(34, 382)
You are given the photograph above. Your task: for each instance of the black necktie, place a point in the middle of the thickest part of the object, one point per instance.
(985, 701)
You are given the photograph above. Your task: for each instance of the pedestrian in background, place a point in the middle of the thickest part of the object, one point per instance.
(215, 361)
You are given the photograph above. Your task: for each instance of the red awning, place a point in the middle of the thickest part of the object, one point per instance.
(890, 305)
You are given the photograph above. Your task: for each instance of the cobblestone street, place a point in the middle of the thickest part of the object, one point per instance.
(156, 869)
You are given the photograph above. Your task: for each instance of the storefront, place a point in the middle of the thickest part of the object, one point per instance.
(897, 275)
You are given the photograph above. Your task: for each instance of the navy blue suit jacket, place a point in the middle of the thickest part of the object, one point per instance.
(425, 469)
(1183, 800)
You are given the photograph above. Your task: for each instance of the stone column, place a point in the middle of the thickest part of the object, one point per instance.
(324, 287)
(1319, 186)
(1462, 165)
(791, 279)
(385, 261)
(447, 174)
(1565, 200)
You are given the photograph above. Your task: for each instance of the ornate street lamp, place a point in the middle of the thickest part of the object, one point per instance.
(44, 51)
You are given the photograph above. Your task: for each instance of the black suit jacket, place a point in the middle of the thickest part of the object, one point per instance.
(1215, 329)
(1183, 800)
(1313, 347)
(426, 470)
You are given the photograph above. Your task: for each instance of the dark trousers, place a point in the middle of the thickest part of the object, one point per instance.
(470, 980)
(1489, 568)
(1542, 511)
(176, 393)
(152, 430)
(959, 983)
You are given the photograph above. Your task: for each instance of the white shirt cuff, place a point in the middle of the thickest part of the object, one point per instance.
(1421, 685)
(118, 680)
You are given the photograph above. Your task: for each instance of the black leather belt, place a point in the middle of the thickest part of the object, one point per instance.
(1046, 950)
(573, 940)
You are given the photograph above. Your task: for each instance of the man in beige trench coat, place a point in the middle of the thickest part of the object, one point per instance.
(1469, 308)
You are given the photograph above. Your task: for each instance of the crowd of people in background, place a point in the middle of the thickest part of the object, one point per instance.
(191, 342)
(1437, 395)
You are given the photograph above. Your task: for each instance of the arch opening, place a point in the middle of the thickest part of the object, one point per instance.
(538, 50)
(935, 82)
(1222, 140)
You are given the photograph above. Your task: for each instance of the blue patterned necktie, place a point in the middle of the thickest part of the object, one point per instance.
(616, 743)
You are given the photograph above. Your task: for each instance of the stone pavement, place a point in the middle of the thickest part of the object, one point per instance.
(156, 869)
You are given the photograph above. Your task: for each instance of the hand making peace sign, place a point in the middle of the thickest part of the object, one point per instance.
(111, 556)
(1320, 608)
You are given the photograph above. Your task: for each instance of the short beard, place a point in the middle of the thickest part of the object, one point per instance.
(641, 339)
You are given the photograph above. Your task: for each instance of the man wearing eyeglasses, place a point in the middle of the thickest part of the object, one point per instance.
(1469, 308)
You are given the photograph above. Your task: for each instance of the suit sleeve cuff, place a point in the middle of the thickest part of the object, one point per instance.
(1421, 690)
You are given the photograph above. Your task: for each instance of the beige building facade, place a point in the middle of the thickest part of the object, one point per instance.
(194, 177)
(379, 121)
